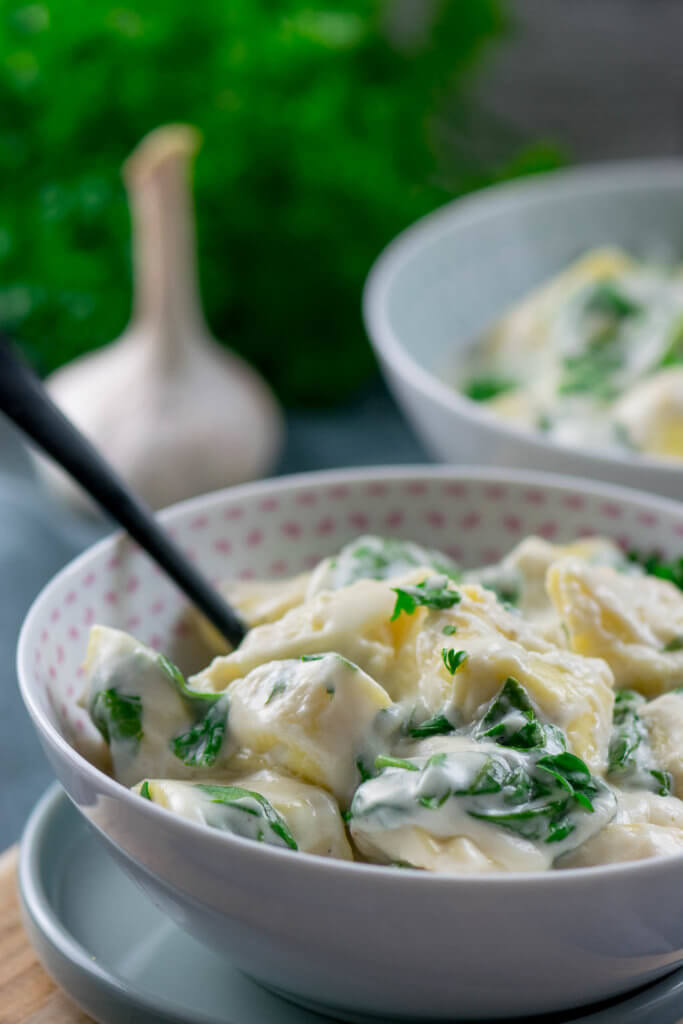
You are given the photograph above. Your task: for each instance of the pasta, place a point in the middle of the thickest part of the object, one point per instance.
(388, 707)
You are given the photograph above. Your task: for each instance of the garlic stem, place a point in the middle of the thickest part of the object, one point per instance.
(166, 302)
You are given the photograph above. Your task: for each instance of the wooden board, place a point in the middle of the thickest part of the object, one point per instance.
(27, 994)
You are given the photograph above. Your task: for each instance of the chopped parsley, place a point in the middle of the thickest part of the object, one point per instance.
(117, 716)
(436, 726)
(654, 565)
(484, 387)
(279, 688)
(384, 761)
(201, 744)
(630, 758)
(434, 592)
(176, 677)
(511, 721)
(453, 659)
(252, 803)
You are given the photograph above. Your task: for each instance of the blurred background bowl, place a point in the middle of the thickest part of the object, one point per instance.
(357, 938)
(438, 286)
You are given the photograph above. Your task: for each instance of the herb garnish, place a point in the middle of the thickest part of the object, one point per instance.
(254, 804)
(144, 790)
(117, 716)
(436, 726)
(453, 659)
(279, 687)
(449, 629)
(201, 744)
(384, 761)
(655, 566)
(175, 676)
(675, 644)
(487, 386)
(511, 721)
(431, 593)
(630, 757)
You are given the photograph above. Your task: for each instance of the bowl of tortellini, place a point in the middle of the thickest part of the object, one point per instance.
(540, 323)
(441, 776)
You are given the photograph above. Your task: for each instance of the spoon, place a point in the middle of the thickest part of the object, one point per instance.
(26, 402)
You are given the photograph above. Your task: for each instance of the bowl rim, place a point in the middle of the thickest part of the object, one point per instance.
(484, 204)
(375, 874)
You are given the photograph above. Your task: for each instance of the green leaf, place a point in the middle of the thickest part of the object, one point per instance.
(176, 677)
(606, 300)
(511, 721)
(675, 644)
(243, 799)
(449, 629)
(384, 761)
(364, 773)
(278, 688)
(435, 726)
(664, 780)
(117, 716)
(201, 745)
(630, 759)
(485, 387)
(144, 790)
(453, 659)
(654, 565)
(431, 593)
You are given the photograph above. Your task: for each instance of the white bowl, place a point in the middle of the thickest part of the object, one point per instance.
(443, 281)
(360, 939)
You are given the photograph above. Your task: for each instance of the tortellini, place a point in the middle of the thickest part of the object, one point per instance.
(633, 622)
(317, 717)
(310, 815)
(413, 715)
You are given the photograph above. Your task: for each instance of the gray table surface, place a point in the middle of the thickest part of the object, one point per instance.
(38, 536)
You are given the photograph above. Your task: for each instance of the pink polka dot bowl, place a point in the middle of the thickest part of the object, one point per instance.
(353, 938)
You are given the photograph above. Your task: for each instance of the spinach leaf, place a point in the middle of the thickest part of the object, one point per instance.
(487, 386)
(176, 677)
(201, 744)
(436, 726)
(606, 300)
(630, 759)
(654, 565)
(431, 593)
(511, 721)
(540, 797)
(117, 716)
(249, 802)
(384, 761)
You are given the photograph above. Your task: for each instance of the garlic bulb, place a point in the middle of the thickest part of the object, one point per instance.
(175, 413)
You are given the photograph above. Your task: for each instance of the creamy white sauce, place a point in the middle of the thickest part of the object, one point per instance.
(311, 712)
(592, 358)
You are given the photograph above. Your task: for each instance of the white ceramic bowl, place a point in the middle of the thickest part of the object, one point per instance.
(436, 287)
(361, 939)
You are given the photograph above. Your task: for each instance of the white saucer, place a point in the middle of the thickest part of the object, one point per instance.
(122, 960)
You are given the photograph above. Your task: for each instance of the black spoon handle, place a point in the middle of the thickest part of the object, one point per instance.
(25, 401)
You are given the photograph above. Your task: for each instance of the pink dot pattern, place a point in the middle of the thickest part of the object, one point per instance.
(475, 520)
